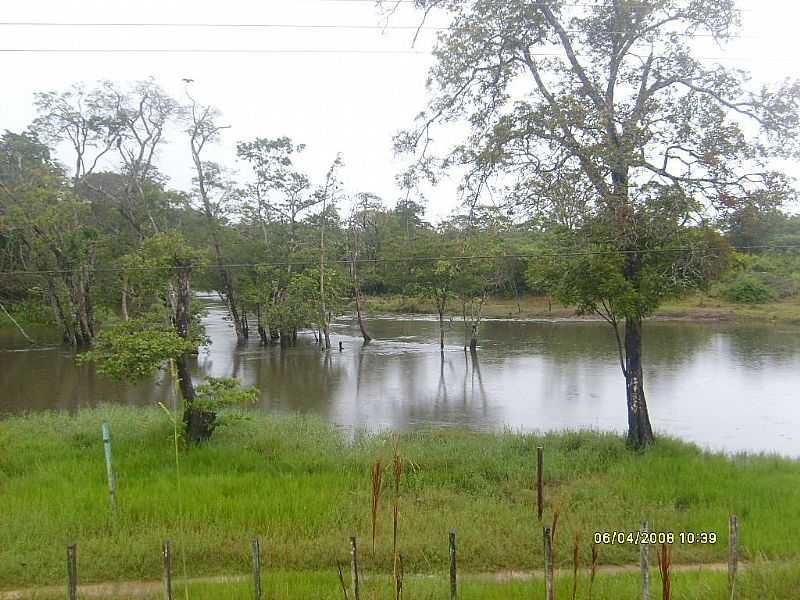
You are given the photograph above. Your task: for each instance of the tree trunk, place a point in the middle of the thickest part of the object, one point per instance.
(199, 422)
(58, 314)
(464, 317)
(17, 325)
(640, 433)
(262, 332)
(228, 291)
(125, 316)
(357, 287)
(441, 328)
(473, 339)
(361, 324)
(326, 331)
(245, 324)
(230, 295)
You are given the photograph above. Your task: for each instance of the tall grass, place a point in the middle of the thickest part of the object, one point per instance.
(302, 487)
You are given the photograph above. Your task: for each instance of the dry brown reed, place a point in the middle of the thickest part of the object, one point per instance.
(397, 472)
(593, 570)
(556, 514)
(575, 562)
(377, 476)
(664, 564)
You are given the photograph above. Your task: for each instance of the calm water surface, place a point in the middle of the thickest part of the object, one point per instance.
(731, 387)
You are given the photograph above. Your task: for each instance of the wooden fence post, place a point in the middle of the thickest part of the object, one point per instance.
(354, 567)
(256, 545)
(644, 562)
(72, 572)
(733, 556)
(112, 484)
(341, 580)
(166, 556)
(548, 564)
(453, 584)
(539, 481)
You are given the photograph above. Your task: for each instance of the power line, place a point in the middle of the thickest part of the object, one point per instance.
(315, 261)
(204, 51)
(500, 2)
(217, 25)
(329, 26)
(321, 51)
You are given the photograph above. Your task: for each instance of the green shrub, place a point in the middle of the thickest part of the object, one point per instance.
(747, 289)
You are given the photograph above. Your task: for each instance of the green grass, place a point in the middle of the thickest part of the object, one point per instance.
(305, 488)
(695, 306)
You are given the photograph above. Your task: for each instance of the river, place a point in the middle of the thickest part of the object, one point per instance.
(726, 386)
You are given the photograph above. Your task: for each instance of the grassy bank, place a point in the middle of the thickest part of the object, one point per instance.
(304, 488)
(695, 307)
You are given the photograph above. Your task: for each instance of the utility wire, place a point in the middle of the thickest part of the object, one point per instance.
(315, 261)
(321, 51)
(201, 51)
(412, 2)
(208, 25)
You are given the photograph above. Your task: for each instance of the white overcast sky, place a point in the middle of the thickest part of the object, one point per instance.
(346, 102)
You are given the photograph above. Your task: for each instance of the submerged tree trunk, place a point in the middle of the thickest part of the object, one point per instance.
(464, 317)
(357, 287)
(441, 328)
(201, 133)
(59, 315)
(245, 324)
(327, 333)
(199, 422)
(640, 433)
(361, 324)
(262, 332)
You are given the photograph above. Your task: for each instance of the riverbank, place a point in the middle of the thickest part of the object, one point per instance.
(305, 488)
(698, 307)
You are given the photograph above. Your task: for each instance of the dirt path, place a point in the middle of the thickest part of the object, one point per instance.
(133, 589)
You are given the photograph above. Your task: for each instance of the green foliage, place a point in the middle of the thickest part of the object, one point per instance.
(305, 486)
(747, 289)
(225, 392)
(132, 350)
(760, 278)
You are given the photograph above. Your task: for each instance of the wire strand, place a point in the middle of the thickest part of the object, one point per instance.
(209, 25)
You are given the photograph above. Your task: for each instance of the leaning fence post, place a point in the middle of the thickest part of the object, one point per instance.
(72, 572)
(644, 562)
(112, 485)
(354, 567)
(256, 544)
(539, 481)
(733, 556)
(548, 564)
(166, 556)
(453, 584)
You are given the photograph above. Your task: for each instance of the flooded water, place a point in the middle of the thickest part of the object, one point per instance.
(725, 386)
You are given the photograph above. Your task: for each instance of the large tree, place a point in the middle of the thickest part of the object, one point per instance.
(214, 194)
(607, 101)
(43, 228)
